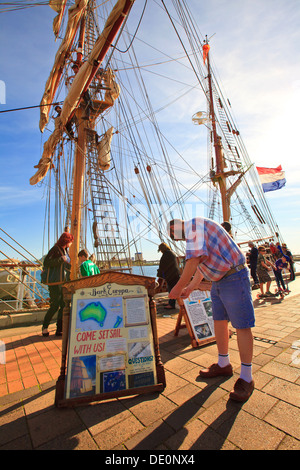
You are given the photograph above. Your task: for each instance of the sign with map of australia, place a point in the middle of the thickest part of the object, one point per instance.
(95, 314)
(110, 341)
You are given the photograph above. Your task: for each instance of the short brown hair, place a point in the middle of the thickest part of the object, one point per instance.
(83, 253)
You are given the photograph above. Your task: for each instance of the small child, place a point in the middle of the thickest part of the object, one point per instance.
(87, 267)
(280, 264)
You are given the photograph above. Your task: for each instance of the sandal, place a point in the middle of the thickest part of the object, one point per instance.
(45, 332)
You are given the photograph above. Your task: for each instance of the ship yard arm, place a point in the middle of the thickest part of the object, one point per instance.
(233, 187)
(81, 83)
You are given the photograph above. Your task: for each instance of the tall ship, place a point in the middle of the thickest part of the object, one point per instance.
(112, 175)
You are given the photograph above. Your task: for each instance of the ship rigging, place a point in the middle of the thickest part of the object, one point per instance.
(108, 164)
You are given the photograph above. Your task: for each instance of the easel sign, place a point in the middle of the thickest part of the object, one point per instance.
(112, 342)
(197, 313)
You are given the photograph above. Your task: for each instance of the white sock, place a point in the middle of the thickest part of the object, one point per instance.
(246, 372)
(223, 360)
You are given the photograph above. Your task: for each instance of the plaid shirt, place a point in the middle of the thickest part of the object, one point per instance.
(219, 253)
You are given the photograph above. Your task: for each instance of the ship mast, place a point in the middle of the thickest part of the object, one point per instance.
(220, 176)
(84, 126)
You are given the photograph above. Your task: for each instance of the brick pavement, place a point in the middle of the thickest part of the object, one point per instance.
(190, 414)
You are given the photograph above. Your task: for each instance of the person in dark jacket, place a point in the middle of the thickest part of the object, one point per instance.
(168, 270)
(253, 255)
(58, 261)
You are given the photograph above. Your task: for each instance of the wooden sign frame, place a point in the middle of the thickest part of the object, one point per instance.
(107, 278)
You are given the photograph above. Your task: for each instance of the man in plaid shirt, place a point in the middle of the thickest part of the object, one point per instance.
(213, 255)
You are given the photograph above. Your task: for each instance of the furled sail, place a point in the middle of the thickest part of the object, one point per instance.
(112, 88)
(112, 92)
(45, 162)
(81, 82)
(58, 6)
(103, 148)
(90, 67)
(75, 14)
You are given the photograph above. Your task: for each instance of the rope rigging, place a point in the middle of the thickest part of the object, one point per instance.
(139, 142)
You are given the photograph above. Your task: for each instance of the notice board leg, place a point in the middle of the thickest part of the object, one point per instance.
(60, 384)
(179, 318)
(159, 365)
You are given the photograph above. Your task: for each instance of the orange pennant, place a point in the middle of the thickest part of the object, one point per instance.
(206, 48)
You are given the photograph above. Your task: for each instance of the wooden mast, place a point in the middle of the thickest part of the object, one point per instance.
(80, 152)
(78, 182)
(220, 176)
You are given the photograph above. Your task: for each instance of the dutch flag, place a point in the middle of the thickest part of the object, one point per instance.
(271, 178)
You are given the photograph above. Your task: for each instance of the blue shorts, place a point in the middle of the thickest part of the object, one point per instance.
(232, 300)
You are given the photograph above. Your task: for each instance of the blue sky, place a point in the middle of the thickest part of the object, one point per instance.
(255, 49)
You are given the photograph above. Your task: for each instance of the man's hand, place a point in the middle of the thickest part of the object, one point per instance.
(183, 287)
(186, 292)
(175, 292)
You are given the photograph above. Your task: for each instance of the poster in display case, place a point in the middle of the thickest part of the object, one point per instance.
(110, 345)
(196, 311)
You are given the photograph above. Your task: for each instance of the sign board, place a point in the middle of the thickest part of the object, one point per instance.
(199, 310)
(196, 311)
(112, 340)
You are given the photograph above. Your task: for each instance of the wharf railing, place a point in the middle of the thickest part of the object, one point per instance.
(20, 286)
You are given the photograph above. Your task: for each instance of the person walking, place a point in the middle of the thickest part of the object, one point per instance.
(168, 269)
(87, 267)
(57, 269)
(212, 254)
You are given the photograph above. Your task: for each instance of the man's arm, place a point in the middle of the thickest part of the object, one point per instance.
(192, 285)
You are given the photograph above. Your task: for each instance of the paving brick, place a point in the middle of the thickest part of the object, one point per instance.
(173, 383)
(183, 394)
(15, 386)
(250, 433)
(12, 423)
(282, 371)
(285, 417)
(49, 425)
(20, 443)
(198, 436)
(30, 381)
(116, 435)
(150, 437)
(289, 443)
(179, 417)
(178, 365)
(72, 440)
(150, 408)
(259, 404)
(101, 416)
(191, 413)
(285, 391)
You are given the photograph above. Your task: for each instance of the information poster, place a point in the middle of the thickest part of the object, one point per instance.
(199, 310)
(110, 343)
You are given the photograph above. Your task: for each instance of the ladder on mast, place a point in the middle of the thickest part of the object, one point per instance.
(108, 241)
